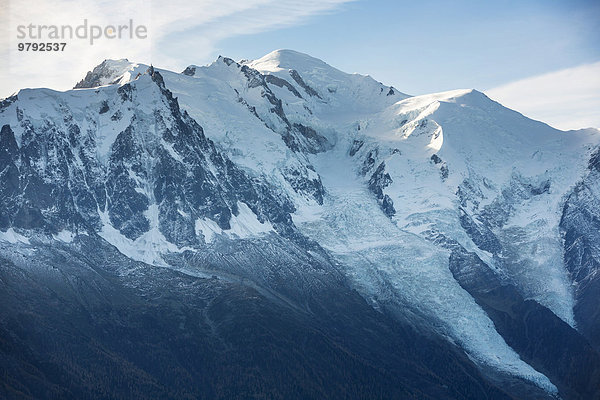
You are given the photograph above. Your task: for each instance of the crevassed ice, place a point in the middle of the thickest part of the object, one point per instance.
(378, 254)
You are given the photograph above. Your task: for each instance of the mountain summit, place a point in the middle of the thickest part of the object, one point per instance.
(278, 228)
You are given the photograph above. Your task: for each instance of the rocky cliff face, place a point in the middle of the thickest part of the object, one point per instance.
(580, 226)
(278, 228)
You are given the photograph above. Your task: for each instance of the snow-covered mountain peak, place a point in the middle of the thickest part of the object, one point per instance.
(322, 82)
(288, 59)
(420, 201)
(220, 62)
(111, 72)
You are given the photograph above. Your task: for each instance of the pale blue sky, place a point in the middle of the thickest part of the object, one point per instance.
(428, 45)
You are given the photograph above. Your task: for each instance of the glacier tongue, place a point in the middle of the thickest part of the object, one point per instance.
(394, 267)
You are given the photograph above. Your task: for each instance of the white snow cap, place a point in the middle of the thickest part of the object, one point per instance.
(111, 71)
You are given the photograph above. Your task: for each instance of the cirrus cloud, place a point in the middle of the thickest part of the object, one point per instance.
(566, 99)
(180, 32)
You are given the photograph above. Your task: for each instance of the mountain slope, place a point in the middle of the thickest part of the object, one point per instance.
(389, 232)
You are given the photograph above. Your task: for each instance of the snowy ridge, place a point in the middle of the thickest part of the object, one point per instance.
(112, 72)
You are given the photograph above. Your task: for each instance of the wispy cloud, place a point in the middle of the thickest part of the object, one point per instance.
(180, 32)
(566, 99)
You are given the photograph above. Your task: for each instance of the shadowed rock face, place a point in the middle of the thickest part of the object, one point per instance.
(176, 167)
(309, 90)
(580, 225)
(379, 181)
(540, 337)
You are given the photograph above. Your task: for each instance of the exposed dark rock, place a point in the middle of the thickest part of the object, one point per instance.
(189, 71)
(299, 182)
(8, 101)
(117, 115)
(480, 233)
(277, 81)
(356, 146)
(104, 107)
(580, 227)
(369, 161)
(594, 163)
(310, 91)
(227, 60)
(379, 181)
(442, 165)
(314, 142)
